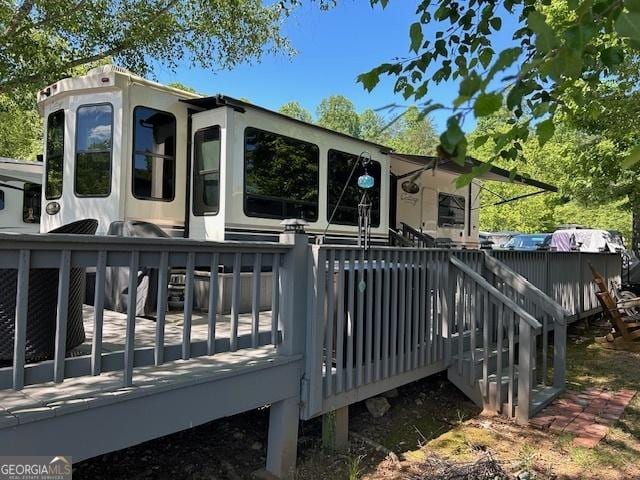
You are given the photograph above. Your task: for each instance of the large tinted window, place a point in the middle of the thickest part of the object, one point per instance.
(281, 176)
(450, 210)
(31, 203)
(340, 165)
(94, 138)
(206, 171)
(154, 151)
(54, 155)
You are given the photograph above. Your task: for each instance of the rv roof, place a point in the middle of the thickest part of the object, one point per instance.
(496, 174)
(217, 101)
(20, 170)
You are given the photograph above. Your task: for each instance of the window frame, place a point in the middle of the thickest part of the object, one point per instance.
(75, 153)
(464, 210)
(133, 155)
(47, 163)
(25, 187)
(197, 175)
(244, 173)
(2, 200)
(330, 211)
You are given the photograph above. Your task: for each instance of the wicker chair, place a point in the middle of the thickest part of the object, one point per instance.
(42, 304)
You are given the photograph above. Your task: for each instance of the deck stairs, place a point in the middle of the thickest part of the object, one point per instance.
(488, 363)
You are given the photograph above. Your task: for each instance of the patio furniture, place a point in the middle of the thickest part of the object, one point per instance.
(625, 334)
(43, 301)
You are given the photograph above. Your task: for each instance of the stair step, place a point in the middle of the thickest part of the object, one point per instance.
(479, 354)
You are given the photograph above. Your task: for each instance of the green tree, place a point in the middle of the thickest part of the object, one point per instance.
(561, 51)
(43, 41)
(20, 130)
(297, 111)
(372, 127)
(338, 113)
(413, 134)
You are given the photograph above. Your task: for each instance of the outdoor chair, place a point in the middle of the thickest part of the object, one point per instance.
(42, 304)
(625, 334)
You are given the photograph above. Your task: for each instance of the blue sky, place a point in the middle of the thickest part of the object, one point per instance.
(333, 48)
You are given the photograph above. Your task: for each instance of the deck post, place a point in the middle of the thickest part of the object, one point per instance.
(335, 429)
(283, 438)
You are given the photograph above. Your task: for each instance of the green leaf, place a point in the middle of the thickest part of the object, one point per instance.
(369, 80)
(579, 35)
(628, 25)
(496, 23)
(544, 131)
(612, 56)
(452, 136)
(469, 85)
(514, 97)
(546, 39)
(486, 104)
(485, 57)
(633, 157)
(415, 32)
(632, 5)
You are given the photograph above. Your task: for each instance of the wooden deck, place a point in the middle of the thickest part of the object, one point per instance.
(115, 324)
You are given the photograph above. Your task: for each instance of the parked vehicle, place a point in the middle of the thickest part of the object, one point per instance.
(585, 240)
(529, 241)
(20, 192)
(496, 239)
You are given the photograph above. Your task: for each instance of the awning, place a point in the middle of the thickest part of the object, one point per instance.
(495, 174)
(20, 171)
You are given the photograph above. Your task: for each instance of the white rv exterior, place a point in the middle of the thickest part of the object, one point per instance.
(122, 148)
(20, 185)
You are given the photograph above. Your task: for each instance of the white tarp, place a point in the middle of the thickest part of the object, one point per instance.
(584, 240)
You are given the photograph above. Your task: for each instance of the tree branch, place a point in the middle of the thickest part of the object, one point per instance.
(20, 15)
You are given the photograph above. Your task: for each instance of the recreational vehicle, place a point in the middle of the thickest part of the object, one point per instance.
(120, 148)
(20, 187)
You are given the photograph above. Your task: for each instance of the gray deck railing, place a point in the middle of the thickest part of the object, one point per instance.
(28, 253)
(564, 276)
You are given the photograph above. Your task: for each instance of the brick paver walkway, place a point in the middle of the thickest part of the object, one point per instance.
(586, 415)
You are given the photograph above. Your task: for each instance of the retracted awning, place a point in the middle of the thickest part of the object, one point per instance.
(20, 171)
(494, 173)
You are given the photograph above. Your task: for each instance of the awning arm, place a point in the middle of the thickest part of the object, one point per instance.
(513, 199)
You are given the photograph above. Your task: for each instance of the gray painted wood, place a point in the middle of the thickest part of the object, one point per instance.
(386, 314)
(134, 261)
(98, 313)
(340, 325)
(350, 319)
(402, 295)
(213, 303)
(328, 337)
(255, 299)
(275, 299)
(20, 329)
(161, 309)
(359, 318)
(394, 314)
(377, 334)
(188, 306)
(235, 298)
(62, 316)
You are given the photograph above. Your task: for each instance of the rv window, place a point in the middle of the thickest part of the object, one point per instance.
(1, 199)
(31, 203)
(206, 171)
(94, 139)
(54, 155)
(340, 166)
(281, 176)
(450, 210)
(154, 150)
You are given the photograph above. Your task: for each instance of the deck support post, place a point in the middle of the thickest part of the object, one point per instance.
(283, 438)
(335, 429)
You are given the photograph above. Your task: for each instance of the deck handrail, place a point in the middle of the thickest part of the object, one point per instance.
(424, 239)
(497, 294)
(526, 289)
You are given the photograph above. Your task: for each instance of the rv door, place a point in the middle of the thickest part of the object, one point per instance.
(208, 152)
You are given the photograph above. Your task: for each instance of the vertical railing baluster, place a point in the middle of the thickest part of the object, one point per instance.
(130, 341)
(460, 315)
(409, 311)
(212, 312)
(255, 300)
(438, 306)
(430, 266)
(351, 317)
(377, 334)
(415, 340)
(526, 356)
(545, 347)
(512, 348)
(423, 292)
(188, 305)
(235, 300)
(485, 342)
(63, 314)
(98, 313)
(360, 320)
(340, 326)
(161, 309)
(499, 360)
(394, 313)
(328, 338)
(472, 329)
(368, 347)
(20, 332)
(386, 313)
(402, 295)
(275, 298)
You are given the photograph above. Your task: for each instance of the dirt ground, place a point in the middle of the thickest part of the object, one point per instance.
(431, 427)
